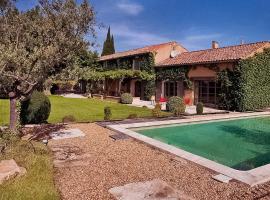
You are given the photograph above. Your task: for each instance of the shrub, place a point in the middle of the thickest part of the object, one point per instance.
(68, 118)
(176, 105)
(156, 112)
(149, 90)
(36, 109)
(199, 108)
(126, 98)
(158, 106)
(132, 116)
(107, 113)
(247, 86)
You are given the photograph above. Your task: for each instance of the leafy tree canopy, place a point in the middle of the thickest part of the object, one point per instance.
(40, 42)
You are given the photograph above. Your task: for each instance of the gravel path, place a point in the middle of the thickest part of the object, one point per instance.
(95, 163)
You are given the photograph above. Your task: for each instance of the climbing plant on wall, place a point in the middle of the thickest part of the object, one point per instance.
(247, 86)
(175, 74)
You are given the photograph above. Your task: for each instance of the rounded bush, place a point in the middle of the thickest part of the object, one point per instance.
(126, 98)
(107, 113)
(36, 109)
(68, 119)
(199, 108)
(156, 112)
(176, 105)
(132, 116)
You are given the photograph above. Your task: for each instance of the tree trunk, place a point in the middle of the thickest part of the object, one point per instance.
(13, 112)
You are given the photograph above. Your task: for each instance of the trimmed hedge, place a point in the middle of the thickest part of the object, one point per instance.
(156, 112)
(126, 98)
(247, 87)
(36, 109)
(176, 105)
(107, 113)
(199, 108)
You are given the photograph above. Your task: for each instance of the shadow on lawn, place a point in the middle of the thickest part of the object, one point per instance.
(43, 131)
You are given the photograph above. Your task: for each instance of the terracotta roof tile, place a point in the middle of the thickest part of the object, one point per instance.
(146, 49)
(230, 53)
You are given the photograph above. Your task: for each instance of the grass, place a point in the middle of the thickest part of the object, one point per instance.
(37, 183)
(4, 111)
(84, 110)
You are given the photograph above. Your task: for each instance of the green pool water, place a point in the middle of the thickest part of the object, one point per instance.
(241, 144)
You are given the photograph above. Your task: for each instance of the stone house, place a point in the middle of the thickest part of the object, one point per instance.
(134, 59)
(202, 66)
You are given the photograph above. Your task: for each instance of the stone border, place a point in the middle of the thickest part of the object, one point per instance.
(252, 177)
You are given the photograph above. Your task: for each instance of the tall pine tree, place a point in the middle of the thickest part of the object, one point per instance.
(108, 46)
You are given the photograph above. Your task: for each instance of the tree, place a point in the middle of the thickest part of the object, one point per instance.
(112, 44)
(38, 43)
(108, 46)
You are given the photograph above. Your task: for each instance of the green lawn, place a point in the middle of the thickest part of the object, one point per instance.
(84, 110)
(38, 182)
(4, 111)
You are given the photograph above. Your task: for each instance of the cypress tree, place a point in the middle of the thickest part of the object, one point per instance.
(112, 44)
(108, 46)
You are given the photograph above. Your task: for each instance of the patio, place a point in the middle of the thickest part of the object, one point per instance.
(190, 110)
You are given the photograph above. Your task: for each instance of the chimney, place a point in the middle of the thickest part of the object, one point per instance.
(215, 45)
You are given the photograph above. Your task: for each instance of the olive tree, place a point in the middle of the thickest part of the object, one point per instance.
(39, 42)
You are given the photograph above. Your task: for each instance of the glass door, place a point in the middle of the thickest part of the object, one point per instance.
(208, 91)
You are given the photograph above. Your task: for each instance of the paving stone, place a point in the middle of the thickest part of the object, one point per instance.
(65, 134)
(150, 190)
(222, 178)
(9, 169)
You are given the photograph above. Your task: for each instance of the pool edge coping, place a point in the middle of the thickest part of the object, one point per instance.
(252, 177)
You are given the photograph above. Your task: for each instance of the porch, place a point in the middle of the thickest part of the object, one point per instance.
(203, 90)
(128, 85)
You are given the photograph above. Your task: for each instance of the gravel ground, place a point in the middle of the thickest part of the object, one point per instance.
(99, 163)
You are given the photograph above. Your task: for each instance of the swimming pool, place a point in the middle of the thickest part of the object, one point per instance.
(236, 145)
(241, 144)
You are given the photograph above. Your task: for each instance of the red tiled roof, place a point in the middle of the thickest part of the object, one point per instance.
(146, 49)
(223, 54)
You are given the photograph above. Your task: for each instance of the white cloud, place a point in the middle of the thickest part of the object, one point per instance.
(133, 38)
(197, 38)
(201, 37)
(130, 8)
(129, 38)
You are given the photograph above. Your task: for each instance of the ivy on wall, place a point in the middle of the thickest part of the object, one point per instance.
(115, 74)
(122, 69)
(175, 74)
(247, 87)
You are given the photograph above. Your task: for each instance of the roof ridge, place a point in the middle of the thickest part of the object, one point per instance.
(142, 48)
(227, 53)
(228, 46)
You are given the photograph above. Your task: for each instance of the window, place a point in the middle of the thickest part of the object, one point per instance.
(137, 64)
(170, 89)
(208, 91)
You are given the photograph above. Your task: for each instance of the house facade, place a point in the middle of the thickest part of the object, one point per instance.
(201, 68)
(134, 60)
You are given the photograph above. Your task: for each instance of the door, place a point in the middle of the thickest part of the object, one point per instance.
(138, 88)
(208, 91)
(170, 88)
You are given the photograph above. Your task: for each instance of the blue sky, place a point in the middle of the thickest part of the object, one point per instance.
(192, 23)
